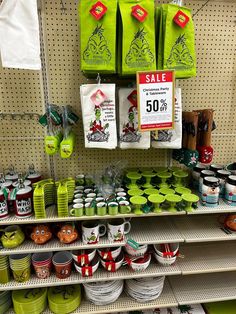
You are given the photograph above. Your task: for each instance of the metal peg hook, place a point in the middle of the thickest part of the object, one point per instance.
(63, 8)
(98, 79)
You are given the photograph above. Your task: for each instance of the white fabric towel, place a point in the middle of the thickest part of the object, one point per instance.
(171, 138)
(19, 34)
(129, 135)
(99, 116)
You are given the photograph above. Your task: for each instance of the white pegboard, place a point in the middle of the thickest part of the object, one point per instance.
(153, 231)
(197, 229)
(214, 87)
(203, 288)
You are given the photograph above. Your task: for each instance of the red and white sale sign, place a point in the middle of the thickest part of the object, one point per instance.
(155, 100)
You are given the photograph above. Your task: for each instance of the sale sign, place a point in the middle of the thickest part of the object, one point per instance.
(155, 100)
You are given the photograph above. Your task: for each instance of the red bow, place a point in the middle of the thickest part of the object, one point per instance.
(87, 271)
(83, 259)
(110, 266)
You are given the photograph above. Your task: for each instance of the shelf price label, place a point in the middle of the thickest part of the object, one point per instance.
(155, 100)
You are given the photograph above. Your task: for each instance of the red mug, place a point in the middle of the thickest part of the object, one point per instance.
(3, 206)
(23, 204)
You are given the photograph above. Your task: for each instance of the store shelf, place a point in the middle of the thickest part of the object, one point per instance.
(221, 208)
(100, 275)
(149, 232)
(207, 258)
(53, 217)
(197, 229)
(204, 288)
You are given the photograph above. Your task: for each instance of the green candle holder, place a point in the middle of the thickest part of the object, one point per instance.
(174, 169)
(148, 176)
(133, 176)
(166, 191)
(156, 200)
(179, 177)
(160, 169)
(189, 199)
(173, 199)
(151, 191)
(163, 176)
(138, 202)
(146, 169)
(182, 190)
(135, 192)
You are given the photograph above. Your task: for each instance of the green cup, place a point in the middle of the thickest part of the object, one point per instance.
(89, 210)
(124, 207)
(4, 276)
(113, 208)
(77, 210)
(22, 275)
(101, 209)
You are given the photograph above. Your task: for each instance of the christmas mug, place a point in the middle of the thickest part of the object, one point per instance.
(117, 229)
(92, 231)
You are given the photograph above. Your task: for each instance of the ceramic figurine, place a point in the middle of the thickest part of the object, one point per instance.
(67, 234)
(41, 234)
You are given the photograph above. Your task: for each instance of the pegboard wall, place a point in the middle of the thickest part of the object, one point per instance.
(23, 91)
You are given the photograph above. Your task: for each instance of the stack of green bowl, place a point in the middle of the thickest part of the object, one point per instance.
(33, 301)
(20, 266)
(4, 270)
(44, 195)
(64, 299)
(70, 184)
(5, 301)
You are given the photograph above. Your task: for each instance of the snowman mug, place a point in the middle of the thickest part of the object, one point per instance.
(117, 229)
(91, 231)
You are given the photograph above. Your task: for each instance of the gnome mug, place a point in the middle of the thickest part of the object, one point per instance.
(117, 229)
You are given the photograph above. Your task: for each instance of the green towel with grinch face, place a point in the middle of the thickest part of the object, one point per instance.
(176, 46)
(98, 35)
(138, 36)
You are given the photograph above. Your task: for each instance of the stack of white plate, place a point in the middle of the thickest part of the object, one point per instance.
(144, 289)
(103, 293)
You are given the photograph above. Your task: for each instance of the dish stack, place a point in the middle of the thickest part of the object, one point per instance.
(20, 266)
(4, 270)
(43, 196)
(65, 194)
(166, 253)
(64, 299)
(5, 301)
(33, 301)
(70, 184)
(144, 289)
(103, 293)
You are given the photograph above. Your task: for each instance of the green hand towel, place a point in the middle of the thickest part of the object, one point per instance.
(179, 48)
(138, 38)
(98, 37)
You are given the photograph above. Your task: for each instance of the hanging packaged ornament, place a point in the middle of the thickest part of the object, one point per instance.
(171, 138)
(98, 36)
(129, 134)
(99, 115)
(136, 49)
(68, 142)
(176, 48)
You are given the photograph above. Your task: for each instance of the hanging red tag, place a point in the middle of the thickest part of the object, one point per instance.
(181, 18)
(87, 271)
(139, 13)
(107, 256)
(110, 266)
(98, 97)
(98, 10)
(133, 98)
(83, 259)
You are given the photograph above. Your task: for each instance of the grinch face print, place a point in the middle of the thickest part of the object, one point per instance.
(139, 55)
(130, 132)
(180, 57)
(97, 131)
(97, 51)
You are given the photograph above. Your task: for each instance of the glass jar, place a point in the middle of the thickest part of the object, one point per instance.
(210, 191)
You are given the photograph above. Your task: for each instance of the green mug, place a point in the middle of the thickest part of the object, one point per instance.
(101, 209)
(77, 210)
(124, 207)
(89, 210)
(113, 208)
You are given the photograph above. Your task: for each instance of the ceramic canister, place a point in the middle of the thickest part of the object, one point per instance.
(34, 177)
(11, 177)
(230, 190)
(23, 205)
(203, 174)
(196, 175)
(222, 175)
(215, 167)
(3, 206)
(210, 191)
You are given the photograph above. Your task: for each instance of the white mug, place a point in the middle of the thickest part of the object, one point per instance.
(78, 195)
(121, 194)
(88, 200)
(91, 232)
(117, 229)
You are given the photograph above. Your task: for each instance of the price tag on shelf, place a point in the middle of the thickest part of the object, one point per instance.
(156, 100)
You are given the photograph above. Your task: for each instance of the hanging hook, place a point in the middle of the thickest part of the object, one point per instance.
(63, 8)
(98, 79)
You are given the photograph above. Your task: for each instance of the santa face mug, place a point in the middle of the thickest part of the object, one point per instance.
(92, 231)
(117, 229)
